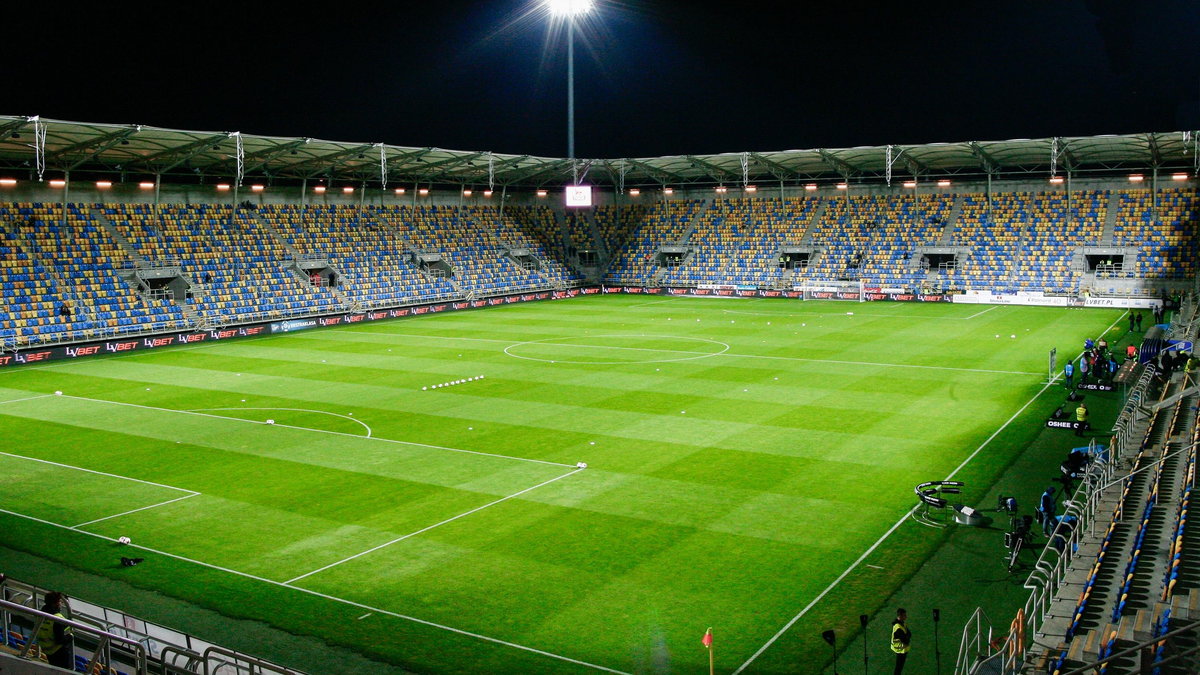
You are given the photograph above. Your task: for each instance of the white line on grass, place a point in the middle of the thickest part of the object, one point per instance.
(331, 598)
(722, 354)
(320, 431)
(152, 506)
(899, 522)
(983, 312)
(319, 412)
(101, 473)
(27, 398)
(426, 529)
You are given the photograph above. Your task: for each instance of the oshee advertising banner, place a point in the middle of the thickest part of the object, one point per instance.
(38, 355)
(761, 293)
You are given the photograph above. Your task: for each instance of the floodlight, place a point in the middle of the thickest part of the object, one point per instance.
(257, 188)
(541, 193)
(8, 182)
(222, 187)
(57, 183)
(943, 183)
(569, 8)
(424, 192)
(468, 193)
(348, 189)
(668, 191)
(103, 184)
(1056, 180)
(1136, 178)
(910, 183)
(633, 192)
(1179, 176)
(399, 191)
(319, 189)
(146, 185)
(842, 186)
(487, 193)
(810, 187)
(721, 189)
(751, 188)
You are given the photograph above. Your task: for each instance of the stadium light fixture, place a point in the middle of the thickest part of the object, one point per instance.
(633, 192)
(103, 184)
(842, 186)
(348, 189)
(1136, 178)
(668, 191)
(1179, 176)
(487, 193)
(810, 187)
(424, 192)
(721, 189)
(1056, 180)
(146, 185)
(319, 189)
(257, 188)
(400, 191)
(222, 187)
(751, 189)
(943, 183)
(468, 193)
(8, 182)
(57, 183)
(910, 183)
(542, 193)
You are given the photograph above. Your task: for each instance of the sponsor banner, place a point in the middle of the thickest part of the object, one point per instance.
(1063, 424)
(1132, 303)
(1043, 300)
(153, 342)
(1095, 386)
(711, 291)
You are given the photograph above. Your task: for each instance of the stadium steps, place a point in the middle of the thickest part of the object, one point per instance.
(270, 229)
(597, 239)
(811, 227)
(1110, 219)
(127, 248)
(947, 235)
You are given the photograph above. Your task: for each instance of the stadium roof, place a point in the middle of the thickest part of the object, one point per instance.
(133, 150)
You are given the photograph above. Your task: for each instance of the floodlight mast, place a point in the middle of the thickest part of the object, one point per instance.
(569, 10)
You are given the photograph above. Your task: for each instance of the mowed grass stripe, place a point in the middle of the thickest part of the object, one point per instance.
(746, 505)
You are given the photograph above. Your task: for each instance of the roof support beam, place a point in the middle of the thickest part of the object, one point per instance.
(778, 170)
(985, 160)
(1155, 152)
(12, 127)
(656, 173)
(264, 157)
(111, 140)
(837, 163)
(184, 153)
(712, 169)
(334, 160)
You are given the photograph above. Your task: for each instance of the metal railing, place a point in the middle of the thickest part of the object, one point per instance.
(101, 643)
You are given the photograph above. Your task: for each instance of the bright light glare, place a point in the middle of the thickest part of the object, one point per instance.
(569, 8)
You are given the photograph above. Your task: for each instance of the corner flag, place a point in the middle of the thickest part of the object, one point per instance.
(707, 639)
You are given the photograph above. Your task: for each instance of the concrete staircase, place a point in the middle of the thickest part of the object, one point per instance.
(127, 248)
(948, 231)
(1110, 219)
(818, 212)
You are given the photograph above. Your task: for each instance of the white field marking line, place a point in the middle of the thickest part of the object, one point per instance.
(900, 522)
(426, 529)
(364, 616)
(983, 312)
(27, 398)
(646, 304)
(152, 506)
(191, 493)
(873, 315)
(319, 412)
(550, 342)
(725, 354)
(320, 431)
(331, 598)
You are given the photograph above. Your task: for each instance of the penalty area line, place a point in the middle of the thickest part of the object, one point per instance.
(426, 529)
(125, 513)
(900, 522)
(331, 598)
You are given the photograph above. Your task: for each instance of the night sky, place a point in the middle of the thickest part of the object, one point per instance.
(652, 78)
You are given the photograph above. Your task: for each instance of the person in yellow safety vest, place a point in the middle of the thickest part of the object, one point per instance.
(901, 639)
(1081, 417)
(55, 639)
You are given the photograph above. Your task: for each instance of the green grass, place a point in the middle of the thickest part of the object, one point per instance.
(741, 456)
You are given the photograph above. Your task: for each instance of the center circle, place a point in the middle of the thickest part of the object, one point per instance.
(636, 349)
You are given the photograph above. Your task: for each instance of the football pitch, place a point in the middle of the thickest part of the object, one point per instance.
(418, 493)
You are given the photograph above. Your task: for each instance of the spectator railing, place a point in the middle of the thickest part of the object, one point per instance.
(101, 643)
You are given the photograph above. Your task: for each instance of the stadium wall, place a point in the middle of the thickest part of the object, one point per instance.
(174, 193)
